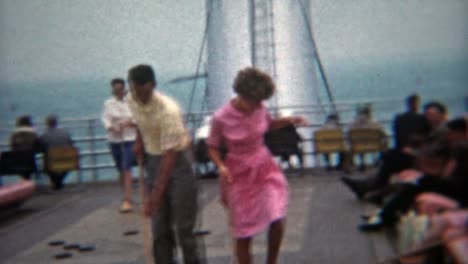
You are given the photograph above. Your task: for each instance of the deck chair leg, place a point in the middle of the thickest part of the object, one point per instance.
(317, 160)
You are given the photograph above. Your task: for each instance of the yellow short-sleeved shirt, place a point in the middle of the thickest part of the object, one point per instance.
(160, 123)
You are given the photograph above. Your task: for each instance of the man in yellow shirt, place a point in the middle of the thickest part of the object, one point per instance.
(164, 143)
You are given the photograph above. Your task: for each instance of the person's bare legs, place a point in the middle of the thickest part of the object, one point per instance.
(127, 185)
(456, 241)
(275, 236)
(121, 180)
(243, 250)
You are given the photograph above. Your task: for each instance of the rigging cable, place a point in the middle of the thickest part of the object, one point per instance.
(319, 61)
(200, 55)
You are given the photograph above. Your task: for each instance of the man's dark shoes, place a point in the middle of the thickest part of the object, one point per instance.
(374, 197)
(374, 223)
(354, 187)
(370, 227)
(362, 168)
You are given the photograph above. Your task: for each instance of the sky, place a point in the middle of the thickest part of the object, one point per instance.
(77, 39)
(47, 40)
(383, 30)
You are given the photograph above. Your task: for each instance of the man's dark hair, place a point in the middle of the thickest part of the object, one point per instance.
(117, 81)
(441, 108)
(333, 116)
(51, 121)
(142, 74)
(458, 124)
(437, 149)
(412, 99)
(24, 121)
(364, 110)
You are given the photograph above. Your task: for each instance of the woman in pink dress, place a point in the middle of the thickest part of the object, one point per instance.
(253, 188)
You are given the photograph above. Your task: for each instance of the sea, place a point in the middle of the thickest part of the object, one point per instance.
(443, 80)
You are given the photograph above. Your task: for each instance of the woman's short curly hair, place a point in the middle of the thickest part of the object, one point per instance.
(253, 84)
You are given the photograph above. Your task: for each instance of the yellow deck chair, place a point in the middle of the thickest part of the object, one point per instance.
(62, 159)
(329, 141)
(364, 140)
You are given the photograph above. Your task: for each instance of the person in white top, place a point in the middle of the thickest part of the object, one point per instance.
(121, 135)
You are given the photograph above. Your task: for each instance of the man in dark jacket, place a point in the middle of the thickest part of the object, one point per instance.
(401, 158)
(410, 125)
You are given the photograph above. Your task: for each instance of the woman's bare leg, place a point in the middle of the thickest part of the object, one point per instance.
(275, 236)
(127, 185)
(243, 250)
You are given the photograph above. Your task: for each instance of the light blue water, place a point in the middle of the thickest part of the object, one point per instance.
(70, 100)
(443, 80)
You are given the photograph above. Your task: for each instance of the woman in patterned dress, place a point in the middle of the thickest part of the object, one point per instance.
(253, 187)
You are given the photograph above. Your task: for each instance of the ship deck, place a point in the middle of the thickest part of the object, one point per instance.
(321, 225)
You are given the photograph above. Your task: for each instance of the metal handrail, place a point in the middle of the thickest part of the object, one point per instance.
(94, 167)
(91, 138)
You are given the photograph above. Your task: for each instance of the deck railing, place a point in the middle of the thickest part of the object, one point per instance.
(95, 157)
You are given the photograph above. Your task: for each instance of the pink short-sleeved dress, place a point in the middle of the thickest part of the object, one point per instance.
(258, 193)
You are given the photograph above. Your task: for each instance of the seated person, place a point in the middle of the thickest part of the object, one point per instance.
(204, 166)
(436, 115)
(397, 160)
(455, 240)
(55, 136)
(433, 203)
(24, 139)
(364, 120)
(432, 163)
(448, 229)
(285, 142)
(332, 123)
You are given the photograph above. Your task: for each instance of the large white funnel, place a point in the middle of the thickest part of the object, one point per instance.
(228, 47)
(295, 59)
